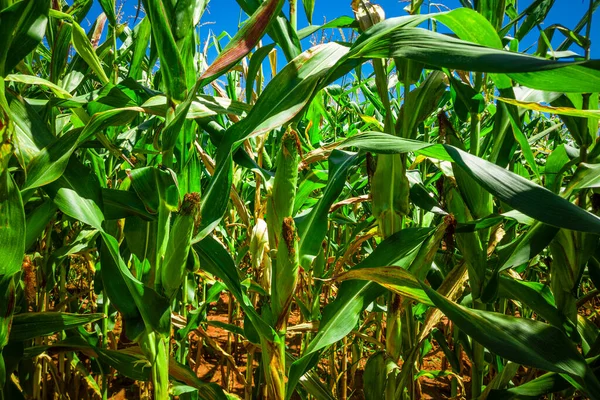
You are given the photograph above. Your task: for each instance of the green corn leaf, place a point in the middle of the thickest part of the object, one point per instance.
(420, 103)
(473, 27)
(312, 227)
(12, 227)
(36, 80)
(77, 193)
(526, 246)
(539, 298)
(288, 92)
(37, 221)
(309, 8)
(141, 35)
(520, 340)
(281, 30)
(27, 326)
(121, 204)
(108, 6)
(254, 66)
(187, 16)
(215, 198)
(22, 29)
(171, 64)
(130, 296)
(534, 389)
(446, 52)
(49, 164)
(156, 188)
(84, 48)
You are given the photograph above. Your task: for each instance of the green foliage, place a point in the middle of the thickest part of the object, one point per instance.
(380, 197)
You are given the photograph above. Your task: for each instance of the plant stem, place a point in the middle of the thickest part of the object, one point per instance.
(294, 14)
(475, 133)
(478, 360)
(105, 343)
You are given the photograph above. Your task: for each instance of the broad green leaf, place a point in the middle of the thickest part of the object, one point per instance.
(526, 246)
(77, 193)
(12, 227)
(522, 140)
(121, 204)
(141, 35)
(108, 6)
(170, 58)
(444, 51)
(22, 29)
(312, 227)
(37, 221)
(281, 30)
(27, 326)
(525, 196)
(156, 188)
(309, 8)
(84, 48)
(256, 61)
(130, 296)
(534, 389)
(49, 164)
(215, 198)
(36, 80)
(539, 298)
(202, 106)
(520, 340)
(187, 16)
(288, 92)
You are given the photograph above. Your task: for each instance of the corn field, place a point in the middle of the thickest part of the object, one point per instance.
(379, 207)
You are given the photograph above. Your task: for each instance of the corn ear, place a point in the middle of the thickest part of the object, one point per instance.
(281, 202)
(178, 247)
(285, 275)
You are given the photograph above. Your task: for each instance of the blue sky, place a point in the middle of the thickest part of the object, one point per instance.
(224, 15)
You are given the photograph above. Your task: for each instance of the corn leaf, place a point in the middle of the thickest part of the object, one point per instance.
(28, 326)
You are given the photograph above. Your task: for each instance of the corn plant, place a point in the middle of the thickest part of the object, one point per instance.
(317, 212)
